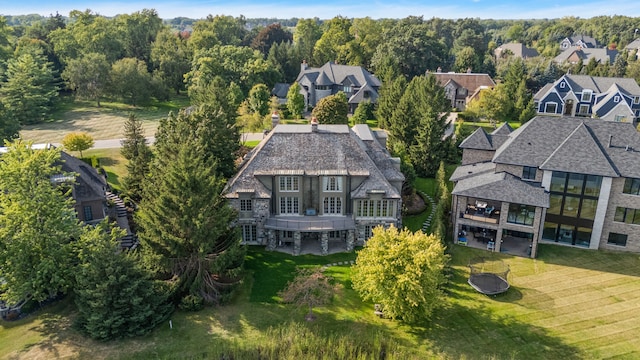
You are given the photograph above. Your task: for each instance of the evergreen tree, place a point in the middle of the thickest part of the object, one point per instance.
(31, 89)
(38, 224)
(114, 296)
(363, 112)
(185, 223)
(137, 152)
(389, 99)
(9, 125)
(619, 67)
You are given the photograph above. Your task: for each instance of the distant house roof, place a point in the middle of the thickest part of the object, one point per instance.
(575, 53)
(582, 39)
(634, 45)
(469, 81)
(480, 140)
(517, 49)
(331, 150)
(599, 85)
(332, 73)
(574, 144)
(280, 90)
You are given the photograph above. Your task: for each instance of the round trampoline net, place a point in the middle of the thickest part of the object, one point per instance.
(489, 277)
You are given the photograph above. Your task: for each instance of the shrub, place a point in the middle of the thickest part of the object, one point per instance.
(191, 303)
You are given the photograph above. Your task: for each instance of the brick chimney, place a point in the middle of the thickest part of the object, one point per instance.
(304, 65)
(314, 124)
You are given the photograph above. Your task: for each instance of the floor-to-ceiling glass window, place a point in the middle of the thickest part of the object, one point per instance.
(572, 208)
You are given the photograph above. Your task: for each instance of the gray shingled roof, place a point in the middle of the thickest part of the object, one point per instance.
(502, 187)
(359, 96)
(280, 90)
(580, 153)
(504, 129)
(635, 44)
(478, 140)
(465, 171)
(603, 55)
(534, 143)
(89, 184)
(336, 73)
(332, 150)
(602, 84)
(542, 92)
(518, 49)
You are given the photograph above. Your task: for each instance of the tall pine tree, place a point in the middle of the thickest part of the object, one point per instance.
(185, 223)
(137, 152)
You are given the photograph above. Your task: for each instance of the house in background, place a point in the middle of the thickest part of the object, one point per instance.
(280, 91)
(357, 83)
(461, 88)
(578, 40)
(634, 46)
(575, 54)
(320, 188)
(515, 49)
(611, 99)
(559, 180)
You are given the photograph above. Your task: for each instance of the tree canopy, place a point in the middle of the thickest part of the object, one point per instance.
(332, 109)
(403, 272)
(77, 141)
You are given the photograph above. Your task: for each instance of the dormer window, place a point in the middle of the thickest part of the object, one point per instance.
(616, 99)
(562, 85)
(636, 99)
(586, 96)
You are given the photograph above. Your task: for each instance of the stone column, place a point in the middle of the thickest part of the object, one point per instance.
(324, 243)
(297, 242)
(271, 240)
(351, 238)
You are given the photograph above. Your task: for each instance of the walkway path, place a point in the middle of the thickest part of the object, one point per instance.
(427, 223)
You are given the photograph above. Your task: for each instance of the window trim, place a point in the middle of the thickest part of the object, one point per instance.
(546, 107)
(562, 85)
(626, 239)
(332, 183)
(526, 173)
(583, 98)
(636, 99)
(580, 107)
(289, 205)
(246, 205)
(285, 186)
(88, 213)
(249, 233)
(616, 99)
(332, 205)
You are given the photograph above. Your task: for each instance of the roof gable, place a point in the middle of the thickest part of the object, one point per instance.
(581, 153)
(502, 186)
(478, 140)
(469, 81)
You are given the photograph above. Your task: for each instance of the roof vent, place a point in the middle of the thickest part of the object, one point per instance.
(627, 148)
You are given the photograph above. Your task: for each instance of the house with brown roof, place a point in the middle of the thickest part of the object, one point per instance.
(556, 180)
(356, 82)
(461, 88)
(319, 188)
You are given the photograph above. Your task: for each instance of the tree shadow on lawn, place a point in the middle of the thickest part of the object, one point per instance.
(623, 263)
(473, 333)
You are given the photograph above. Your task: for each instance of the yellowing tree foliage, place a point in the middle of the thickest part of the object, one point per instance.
(77, 141)
(403, 272)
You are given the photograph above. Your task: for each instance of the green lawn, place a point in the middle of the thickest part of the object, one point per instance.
(567, 304)
(105, 122)
(112, 161)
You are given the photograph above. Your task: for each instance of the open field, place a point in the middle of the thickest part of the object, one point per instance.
(567, 304)
(105, 122)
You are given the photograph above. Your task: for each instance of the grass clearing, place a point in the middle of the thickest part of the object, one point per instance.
(567, 304)
(105, 122)
(113, 163)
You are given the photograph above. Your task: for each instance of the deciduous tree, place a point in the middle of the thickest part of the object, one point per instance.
(77, 141)
(37, 224)
(172, 59)
(259, 97)
(295, 101)
(131, 81)
(270, 35)
(332, 109)
(88, 76)
(403, 272)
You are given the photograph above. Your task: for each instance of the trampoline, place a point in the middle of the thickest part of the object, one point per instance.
(488, 277)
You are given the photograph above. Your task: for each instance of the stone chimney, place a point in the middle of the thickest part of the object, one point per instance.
(468, 70)
(439, 70)
(304, 65)
(314, 124)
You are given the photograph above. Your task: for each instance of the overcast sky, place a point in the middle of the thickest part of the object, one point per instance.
(284, 9)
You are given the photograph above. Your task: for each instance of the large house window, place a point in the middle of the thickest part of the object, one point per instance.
(550, 108)
(332, 205)
(375, 208)
(617, 239)
(289, 205)
(246, 205)
(88, 213)
(626, 215)
(249, 233)
(289, 183)
(573, 201)
(619, 118)
(521, 214)
(529, 173)
(332, 183)
(631, 186)
(586, 96)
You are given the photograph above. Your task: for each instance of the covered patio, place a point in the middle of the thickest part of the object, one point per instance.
(321, 235)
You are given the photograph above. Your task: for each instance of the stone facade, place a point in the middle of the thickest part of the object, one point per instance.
(619, 199)
(472, 156)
